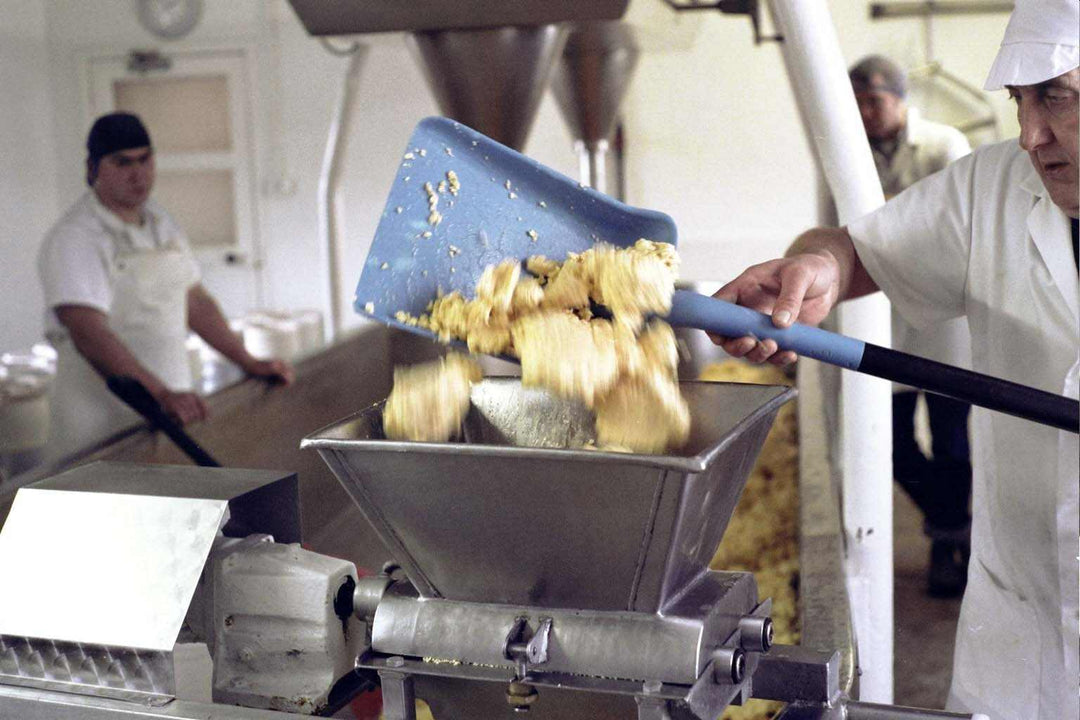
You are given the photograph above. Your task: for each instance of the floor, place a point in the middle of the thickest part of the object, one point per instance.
(925, 626)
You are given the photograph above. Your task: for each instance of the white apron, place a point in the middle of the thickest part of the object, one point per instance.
(149, 315)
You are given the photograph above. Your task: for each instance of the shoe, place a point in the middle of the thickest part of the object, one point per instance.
(948, 569)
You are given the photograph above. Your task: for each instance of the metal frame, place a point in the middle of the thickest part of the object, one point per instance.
(34, 704)
(751, 8)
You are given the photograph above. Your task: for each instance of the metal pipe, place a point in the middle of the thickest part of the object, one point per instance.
(619, 154)
(329, 177)
(592, 163)
(871, 711)
(880, 10)
(598, 165)
(830, 116)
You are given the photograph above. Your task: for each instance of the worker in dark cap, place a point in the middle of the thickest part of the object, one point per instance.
(906, 149)
(122, 290)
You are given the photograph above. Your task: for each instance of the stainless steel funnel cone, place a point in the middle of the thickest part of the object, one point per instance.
(520, 514)
(490, 79)
(589, 83)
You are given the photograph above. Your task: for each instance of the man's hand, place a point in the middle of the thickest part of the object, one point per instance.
(103, 349)
(275, 371)
(205, 318)
(821, 268)
(184, 407)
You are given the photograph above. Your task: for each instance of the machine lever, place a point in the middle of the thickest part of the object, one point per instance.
(525, 650)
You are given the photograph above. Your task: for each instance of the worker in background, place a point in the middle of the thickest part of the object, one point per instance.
(122, 289)
(988, 237)
(907, 148)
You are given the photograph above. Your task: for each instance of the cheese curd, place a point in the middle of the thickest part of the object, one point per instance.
(645, 413)
(429, 402)
(546, 317)
(567, 355)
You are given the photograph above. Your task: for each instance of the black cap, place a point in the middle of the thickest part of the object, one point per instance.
(113, 132)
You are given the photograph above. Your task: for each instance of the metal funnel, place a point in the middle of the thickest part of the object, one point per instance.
(589, 84)
(490, 79)
(518, 514)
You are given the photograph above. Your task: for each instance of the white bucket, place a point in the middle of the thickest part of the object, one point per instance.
(24, 401)
(194, 346)
(269, 336)
(311, 330)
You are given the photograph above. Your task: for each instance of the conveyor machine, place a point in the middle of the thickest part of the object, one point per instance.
(529, 572)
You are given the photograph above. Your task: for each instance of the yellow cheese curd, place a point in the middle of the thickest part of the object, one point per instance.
(545, 319)
(429, 401)
(567, 355)
(645, 413)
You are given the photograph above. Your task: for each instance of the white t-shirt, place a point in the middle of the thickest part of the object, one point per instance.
(923, 148)
(77, 260)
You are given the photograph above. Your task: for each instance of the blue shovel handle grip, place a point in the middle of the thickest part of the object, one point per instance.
(690, 309)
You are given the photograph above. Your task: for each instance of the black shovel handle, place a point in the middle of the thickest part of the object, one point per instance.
(135, 394)
(972, 387)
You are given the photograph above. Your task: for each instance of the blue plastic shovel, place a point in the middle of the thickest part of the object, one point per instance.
(496, 204)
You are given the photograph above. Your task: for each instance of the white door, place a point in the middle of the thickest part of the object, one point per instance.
(197, 108)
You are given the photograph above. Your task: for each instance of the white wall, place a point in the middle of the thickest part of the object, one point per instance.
(27, 171)
(712, 133)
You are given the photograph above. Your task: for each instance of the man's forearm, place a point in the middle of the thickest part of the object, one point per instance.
(103, 349)
(836, 243)
(205, 318)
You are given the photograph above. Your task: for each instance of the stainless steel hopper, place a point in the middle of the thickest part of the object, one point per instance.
(520, 514)
(589, 84)
(491, 79)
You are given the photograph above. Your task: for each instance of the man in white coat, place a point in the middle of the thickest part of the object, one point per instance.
(907, 148)
(122, 290)
(989, 238)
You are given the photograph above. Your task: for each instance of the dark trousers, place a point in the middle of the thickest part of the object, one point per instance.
(940, 485)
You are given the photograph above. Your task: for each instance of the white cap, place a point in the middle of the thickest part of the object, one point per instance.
(1040, 43)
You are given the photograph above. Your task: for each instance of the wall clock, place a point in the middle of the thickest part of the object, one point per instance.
(169, 19)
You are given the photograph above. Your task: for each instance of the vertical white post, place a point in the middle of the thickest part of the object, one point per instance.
(329, 175)
(820, 82)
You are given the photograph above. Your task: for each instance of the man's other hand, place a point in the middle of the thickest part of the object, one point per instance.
(801, 288)
(184, 407)
(275, 371)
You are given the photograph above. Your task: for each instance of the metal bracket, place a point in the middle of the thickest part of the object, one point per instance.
(793, 673)
(651, 708)
(752, 8)
(398, 694)
(144, 62)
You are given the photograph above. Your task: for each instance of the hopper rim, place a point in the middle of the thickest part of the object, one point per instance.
(687, 464)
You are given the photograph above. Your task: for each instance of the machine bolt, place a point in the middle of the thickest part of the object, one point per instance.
(651, 687)
(521, 696)
(756, 633)
(395, 661)
(729, 665)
